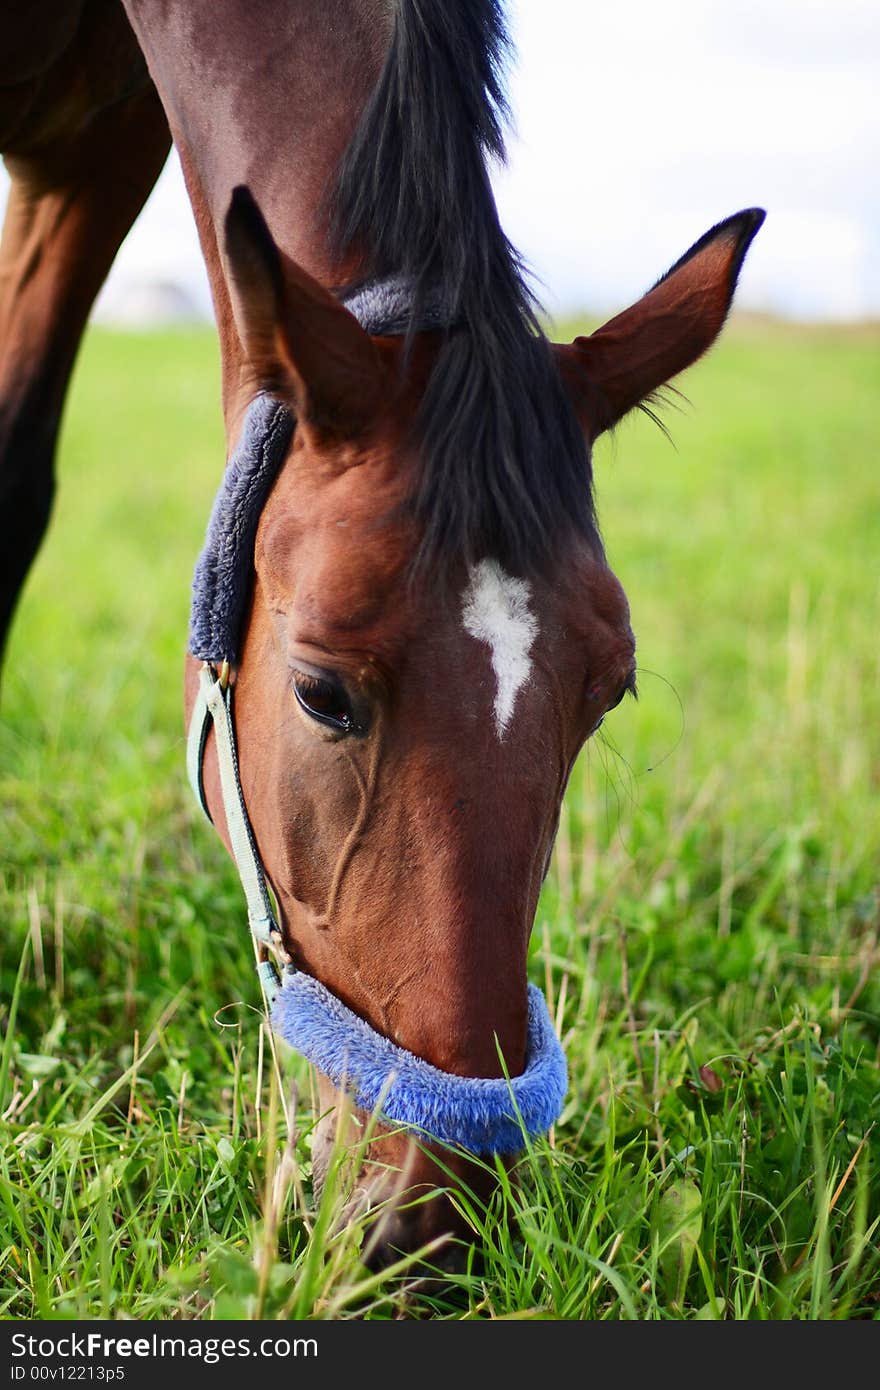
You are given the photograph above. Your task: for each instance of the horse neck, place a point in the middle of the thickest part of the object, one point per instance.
(266, 95)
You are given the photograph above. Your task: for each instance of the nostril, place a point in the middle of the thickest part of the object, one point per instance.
(416, 1231)
(399, 1198)
(403, 1220)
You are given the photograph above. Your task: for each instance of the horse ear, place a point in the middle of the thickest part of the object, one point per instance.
(622, 363)
(299, 341)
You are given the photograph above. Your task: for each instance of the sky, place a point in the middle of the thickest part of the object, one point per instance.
(640, 124)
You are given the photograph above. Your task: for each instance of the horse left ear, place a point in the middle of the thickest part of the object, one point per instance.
(621, 364)
(299, 342)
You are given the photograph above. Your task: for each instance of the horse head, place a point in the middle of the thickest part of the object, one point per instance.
(406, 729)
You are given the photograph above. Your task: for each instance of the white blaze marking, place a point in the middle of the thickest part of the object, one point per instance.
(496, 611)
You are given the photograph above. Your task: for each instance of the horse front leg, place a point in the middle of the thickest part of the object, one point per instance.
(69, 208)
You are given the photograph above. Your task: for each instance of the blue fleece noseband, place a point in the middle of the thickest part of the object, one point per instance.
(483, 1114)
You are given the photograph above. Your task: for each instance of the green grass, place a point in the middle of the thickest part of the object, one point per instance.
(708, 937)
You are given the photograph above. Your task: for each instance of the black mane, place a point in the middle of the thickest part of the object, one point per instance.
(506, 470)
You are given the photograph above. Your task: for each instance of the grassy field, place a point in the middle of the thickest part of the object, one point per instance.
(709, 935)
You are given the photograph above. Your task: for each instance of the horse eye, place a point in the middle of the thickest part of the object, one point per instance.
(325, 700)
(612, 704)
(628, 688)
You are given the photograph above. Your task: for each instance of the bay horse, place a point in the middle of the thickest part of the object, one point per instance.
(418, 621)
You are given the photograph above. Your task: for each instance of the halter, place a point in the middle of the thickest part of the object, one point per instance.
(483, 1114)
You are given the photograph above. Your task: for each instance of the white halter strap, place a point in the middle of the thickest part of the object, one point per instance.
(214, 705)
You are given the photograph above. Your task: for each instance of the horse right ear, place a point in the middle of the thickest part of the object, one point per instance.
(299, 342)
(625, 361)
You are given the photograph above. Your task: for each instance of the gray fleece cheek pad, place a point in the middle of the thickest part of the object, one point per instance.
(224, 570)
